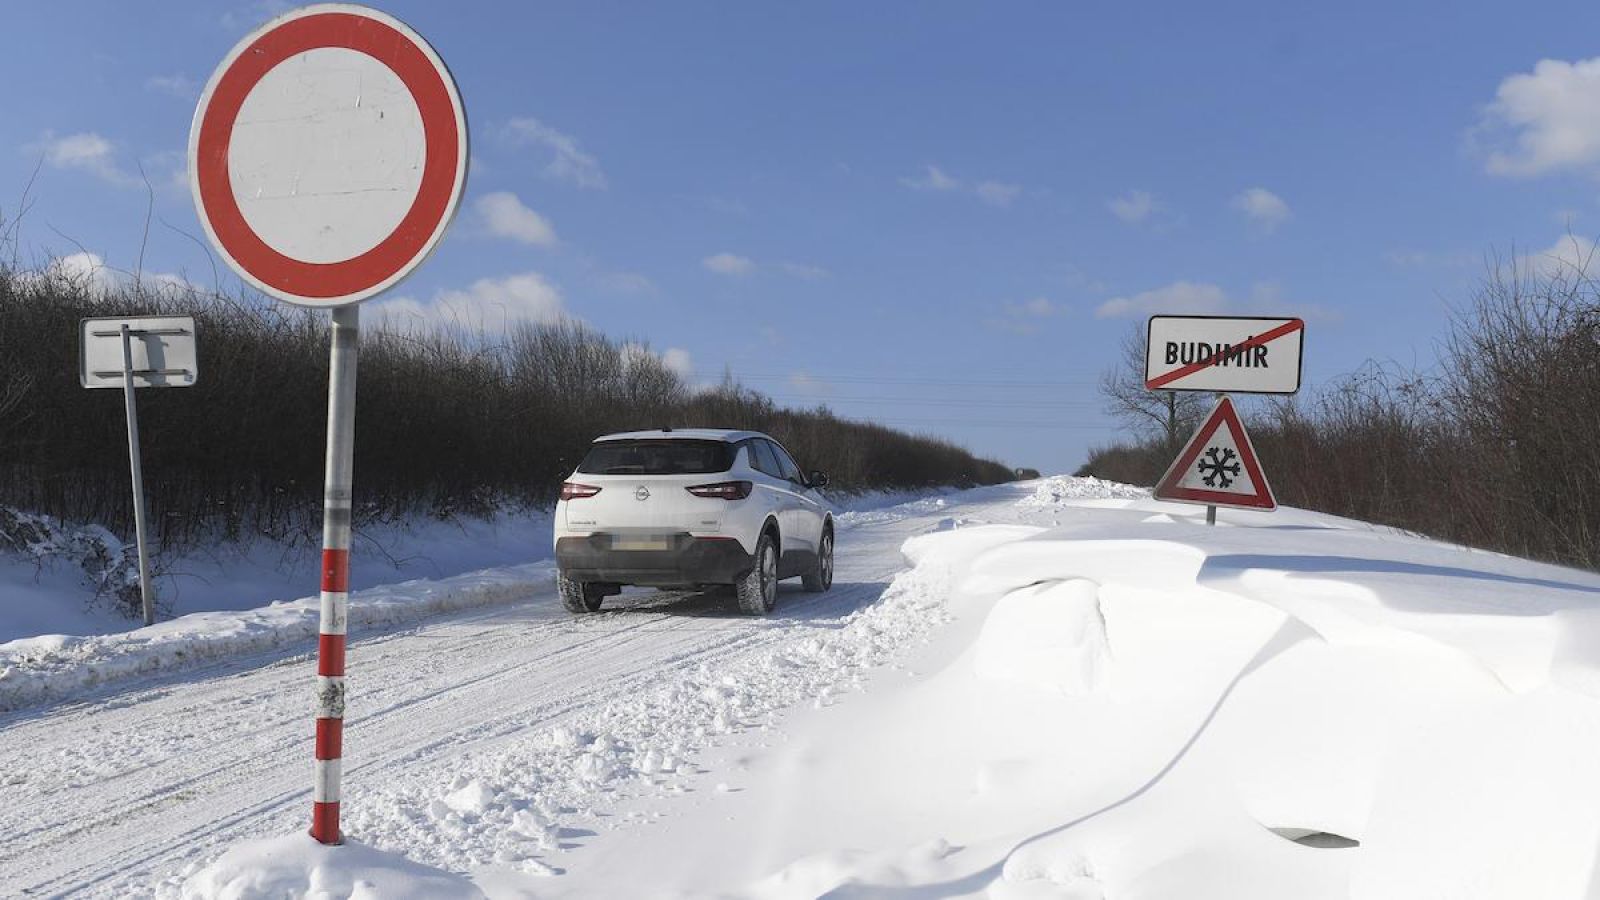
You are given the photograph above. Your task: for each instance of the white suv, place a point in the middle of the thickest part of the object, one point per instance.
(694, 507)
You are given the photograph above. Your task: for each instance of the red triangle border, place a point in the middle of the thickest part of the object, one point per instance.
(1221, 414)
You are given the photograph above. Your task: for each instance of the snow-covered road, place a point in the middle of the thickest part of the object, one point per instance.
(113, 796)
(1055, 689)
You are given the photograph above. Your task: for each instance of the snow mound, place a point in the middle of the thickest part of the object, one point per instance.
(295, 865)
(1488, 805)
(1061, 490)
(49, 667)
(1124, 707)
(1049, 636)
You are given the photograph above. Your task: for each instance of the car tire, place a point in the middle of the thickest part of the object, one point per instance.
(580, 596)
(820, 578)
(758, 589)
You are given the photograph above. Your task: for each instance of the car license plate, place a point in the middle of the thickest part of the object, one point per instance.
(640, 542)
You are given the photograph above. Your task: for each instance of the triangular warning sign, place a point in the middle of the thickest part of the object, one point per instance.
(1218, 466)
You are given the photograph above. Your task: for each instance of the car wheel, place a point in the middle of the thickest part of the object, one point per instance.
(580, 596)
(758, 589)
(820, 578)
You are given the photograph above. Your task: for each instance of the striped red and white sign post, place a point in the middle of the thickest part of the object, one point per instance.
(327, 158)
(337, 511)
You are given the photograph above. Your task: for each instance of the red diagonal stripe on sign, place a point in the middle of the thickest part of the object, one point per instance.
(1288, 327)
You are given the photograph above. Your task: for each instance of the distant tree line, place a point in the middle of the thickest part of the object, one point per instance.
(1499, 447)
(449, 422)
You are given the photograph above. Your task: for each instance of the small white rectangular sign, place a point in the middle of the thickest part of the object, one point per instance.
(162, 349)
(1246, 354)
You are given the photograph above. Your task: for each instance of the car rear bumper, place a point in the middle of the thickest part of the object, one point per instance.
(688, 560)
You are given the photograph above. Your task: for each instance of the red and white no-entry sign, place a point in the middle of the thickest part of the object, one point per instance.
(327, 158)
(328, 154)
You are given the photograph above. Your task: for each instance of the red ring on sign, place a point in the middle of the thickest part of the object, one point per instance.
(428, 209)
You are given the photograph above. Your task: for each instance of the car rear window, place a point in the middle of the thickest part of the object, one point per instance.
(657, 457)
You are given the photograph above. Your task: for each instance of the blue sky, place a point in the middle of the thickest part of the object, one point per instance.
(944, 216)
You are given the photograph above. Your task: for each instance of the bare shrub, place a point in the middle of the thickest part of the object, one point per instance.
(1498, 449)
(450, 421)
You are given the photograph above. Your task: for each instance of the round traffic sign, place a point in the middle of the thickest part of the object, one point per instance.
(328, 154)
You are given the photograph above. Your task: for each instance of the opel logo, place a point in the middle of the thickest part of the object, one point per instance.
(642, 494)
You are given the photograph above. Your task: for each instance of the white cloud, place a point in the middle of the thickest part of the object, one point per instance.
(1177, 297)
(1262, 206)
(180, 86)
(1133, 207)
(674, 359)
(489, 304)
(568, 162)
(85, 270)
(806, 383)
(729, 264)
(1026, 317)
(84, 152)
(91, 273)
(1571, 256)
(803, 271)
(1038, 307)
(933, 178)
(678, 360)
(505, 216)
(1547, 120)
(624, 283)
(735, 265)
(995, 193)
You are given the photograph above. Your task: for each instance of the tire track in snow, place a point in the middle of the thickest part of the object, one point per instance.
(131, 785)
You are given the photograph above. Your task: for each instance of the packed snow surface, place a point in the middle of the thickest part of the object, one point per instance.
(1059, 688)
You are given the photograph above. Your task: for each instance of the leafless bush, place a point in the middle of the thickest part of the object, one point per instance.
(1499, 449)
(449, 421)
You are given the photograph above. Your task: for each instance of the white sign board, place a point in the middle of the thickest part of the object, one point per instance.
(328, 154)
(162, 350)
(1246, 354)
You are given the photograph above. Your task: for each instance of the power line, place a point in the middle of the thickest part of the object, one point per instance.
(978, 423)
(864, 379)
(1061, 405)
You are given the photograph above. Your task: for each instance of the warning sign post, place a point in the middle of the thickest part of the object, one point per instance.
(327, 157)
(1244, 354)
(1218, 467)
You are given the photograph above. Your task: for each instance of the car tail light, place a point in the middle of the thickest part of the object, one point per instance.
(725, 490)
(571, 490)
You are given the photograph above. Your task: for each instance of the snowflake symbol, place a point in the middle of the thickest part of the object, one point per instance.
(1218, 466)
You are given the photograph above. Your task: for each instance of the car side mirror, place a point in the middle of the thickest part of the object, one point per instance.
(817, 479)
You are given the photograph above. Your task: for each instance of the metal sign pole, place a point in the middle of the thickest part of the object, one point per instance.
(146, 598)
(338, 147)
(1211, 508)
(336, 514)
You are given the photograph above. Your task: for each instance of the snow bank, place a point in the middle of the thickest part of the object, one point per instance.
(297, 866)
(49, 667)
(1495, 802)
(1128, 704)
(60, 580)
(1059, 490)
